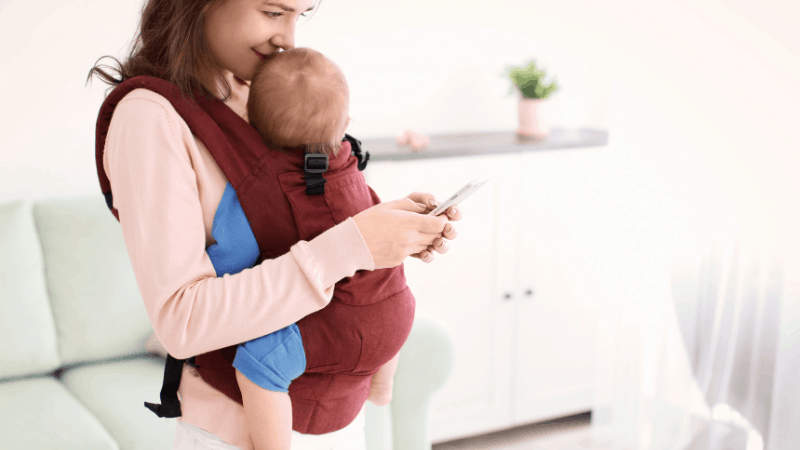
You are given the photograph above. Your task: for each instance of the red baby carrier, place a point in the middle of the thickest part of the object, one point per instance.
(286, 199)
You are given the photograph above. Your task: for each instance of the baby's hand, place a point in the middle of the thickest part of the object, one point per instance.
(380, 393)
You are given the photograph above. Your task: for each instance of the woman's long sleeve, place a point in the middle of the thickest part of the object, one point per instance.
(165, 187)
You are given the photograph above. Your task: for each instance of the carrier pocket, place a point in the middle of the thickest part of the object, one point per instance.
(346, 194)
(311, 213)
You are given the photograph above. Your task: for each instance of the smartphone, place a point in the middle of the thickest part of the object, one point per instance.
(459, 196)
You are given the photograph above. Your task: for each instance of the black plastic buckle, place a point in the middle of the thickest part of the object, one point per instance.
(314, 163)
(355, 150)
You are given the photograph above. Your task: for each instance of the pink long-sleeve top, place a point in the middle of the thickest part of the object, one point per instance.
(166, 188)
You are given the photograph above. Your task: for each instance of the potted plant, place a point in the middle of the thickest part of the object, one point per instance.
(528, 81)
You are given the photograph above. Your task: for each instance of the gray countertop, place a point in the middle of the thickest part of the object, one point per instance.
(466, 144)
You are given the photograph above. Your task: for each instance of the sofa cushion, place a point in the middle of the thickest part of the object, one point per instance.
(25, 316)
(96, 304)
(39, 413)
(115, 393)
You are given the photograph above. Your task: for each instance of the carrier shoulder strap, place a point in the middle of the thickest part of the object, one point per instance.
(195, 112)
(206, 130)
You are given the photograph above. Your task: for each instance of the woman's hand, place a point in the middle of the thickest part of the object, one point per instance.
(440, 244)
(394, 230)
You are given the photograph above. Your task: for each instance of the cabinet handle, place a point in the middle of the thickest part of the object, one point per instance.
(529, 292)
(507, 296)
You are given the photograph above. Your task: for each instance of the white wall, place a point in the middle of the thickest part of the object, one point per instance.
(46, 51)
(722, 75)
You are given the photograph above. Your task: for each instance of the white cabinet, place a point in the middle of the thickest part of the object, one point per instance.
(553, 364)
(511, 290)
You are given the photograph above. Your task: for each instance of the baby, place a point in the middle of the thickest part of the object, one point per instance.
(298, 98)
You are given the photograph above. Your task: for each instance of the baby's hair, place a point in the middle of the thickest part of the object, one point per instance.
(299, 98)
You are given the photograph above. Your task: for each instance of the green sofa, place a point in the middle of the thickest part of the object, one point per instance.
(74, 369)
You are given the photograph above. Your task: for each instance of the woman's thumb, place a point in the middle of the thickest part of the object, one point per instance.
(408, 205)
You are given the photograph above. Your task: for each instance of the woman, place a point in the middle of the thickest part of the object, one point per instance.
(167, 188)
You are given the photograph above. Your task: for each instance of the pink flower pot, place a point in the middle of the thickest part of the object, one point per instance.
(530, 124)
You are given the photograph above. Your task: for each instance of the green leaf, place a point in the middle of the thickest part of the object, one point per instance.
(529, 81)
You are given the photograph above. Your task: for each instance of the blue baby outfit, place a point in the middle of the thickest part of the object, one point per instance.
(274, 360)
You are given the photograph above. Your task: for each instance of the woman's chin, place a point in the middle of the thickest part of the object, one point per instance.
(241, 78)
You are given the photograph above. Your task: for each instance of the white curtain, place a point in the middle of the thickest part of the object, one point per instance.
(713, 365)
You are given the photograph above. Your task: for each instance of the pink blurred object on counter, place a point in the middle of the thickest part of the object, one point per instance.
(416, 140)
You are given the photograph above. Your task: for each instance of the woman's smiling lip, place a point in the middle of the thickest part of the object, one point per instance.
(260, 55)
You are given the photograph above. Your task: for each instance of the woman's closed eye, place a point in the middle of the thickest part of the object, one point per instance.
(275, 15)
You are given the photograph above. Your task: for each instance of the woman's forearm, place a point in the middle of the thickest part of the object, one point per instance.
(212, 313)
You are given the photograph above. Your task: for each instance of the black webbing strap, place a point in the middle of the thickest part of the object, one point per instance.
(170, 405)
(314, 166)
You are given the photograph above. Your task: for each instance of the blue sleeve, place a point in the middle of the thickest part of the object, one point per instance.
(236, 248)
(274, 360)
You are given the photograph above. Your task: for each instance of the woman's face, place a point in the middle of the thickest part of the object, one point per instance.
(240, 32)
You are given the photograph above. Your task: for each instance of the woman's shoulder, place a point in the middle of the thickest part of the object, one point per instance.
(148, 140)
(143, 109)
(145, 122)
(146, 103)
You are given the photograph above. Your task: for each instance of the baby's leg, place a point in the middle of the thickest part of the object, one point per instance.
(269, 415)
(265, 367)
(380, 389)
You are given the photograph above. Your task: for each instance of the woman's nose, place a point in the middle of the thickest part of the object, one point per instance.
(285, 38)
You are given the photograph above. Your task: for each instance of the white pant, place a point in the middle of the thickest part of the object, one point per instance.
(351, 437)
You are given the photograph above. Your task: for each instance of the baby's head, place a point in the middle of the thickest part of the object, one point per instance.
(299, 97)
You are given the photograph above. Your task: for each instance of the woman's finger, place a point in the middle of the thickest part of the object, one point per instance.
(441, 246)
(405, 204)
(450, 231)
(431, 224)
(453, 213)
(429, 200)
(420, 197)
(426, 256)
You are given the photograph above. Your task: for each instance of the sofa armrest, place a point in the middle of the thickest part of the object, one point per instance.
(426, 361)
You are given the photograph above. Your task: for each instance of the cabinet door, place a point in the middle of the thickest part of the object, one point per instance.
(462, 289)
(553, 364)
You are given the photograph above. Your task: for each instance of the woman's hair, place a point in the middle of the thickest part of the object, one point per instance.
(170, 43)
(299, 98)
